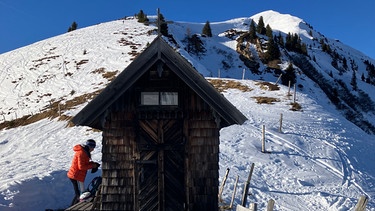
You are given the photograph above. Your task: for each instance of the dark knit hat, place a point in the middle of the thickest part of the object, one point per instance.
(91, 143)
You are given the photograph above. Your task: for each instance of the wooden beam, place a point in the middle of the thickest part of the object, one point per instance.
(222, 185)
(362, 202)
(246, 187)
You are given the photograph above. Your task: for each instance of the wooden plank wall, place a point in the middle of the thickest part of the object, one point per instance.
(120, 150)
(203, 157)
(118, 162)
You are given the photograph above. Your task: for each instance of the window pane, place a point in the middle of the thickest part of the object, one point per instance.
(150, 98)
(169, 98)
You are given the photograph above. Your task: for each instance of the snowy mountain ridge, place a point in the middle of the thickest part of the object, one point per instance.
(320, 161)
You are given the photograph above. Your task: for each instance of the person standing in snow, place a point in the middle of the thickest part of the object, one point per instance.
(80, 164)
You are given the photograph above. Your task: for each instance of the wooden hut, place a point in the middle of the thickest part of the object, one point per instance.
(160, 120)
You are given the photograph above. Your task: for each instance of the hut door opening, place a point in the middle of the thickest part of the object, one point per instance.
(160, 169)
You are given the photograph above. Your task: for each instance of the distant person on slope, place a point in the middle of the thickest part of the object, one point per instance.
(80, 164)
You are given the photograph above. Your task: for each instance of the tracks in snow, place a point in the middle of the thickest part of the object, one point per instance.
(346, 173)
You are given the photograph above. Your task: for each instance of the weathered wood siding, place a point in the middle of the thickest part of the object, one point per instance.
(203, 155)
(120, 151)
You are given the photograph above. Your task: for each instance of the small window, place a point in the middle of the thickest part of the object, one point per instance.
(159, 98)
(150, 98)
(168, 98)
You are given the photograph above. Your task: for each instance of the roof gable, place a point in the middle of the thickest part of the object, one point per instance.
(158, 51)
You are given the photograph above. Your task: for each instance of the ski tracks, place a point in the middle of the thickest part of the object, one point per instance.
(346, 170)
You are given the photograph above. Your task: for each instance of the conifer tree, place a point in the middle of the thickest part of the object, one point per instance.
(289, 75)
(273, 51)
(163, 25)
(73, 27)
(294, 43)
(310, 33)
(193, 44)
(260, 28)
(269, 31)
(252, 31)
(353, 81)
(142, 17)
(207, 29)
(304, 49)
(280, 40)
(344, 63)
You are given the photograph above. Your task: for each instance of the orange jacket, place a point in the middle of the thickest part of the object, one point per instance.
(80, 164)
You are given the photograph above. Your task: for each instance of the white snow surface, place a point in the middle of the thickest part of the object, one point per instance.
(318, 161)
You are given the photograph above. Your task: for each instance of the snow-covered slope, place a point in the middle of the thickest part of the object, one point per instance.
(319, 161)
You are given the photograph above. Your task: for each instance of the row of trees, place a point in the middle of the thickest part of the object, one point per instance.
(73, 27)
(163, 26)
(292, 43)
(370, 68)
(142, 18)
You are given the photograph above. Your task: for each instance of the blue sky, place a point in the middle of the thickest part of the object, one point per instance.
(23, 22)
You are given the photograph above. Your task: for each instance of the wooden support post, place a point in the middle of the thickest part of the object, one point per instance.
(253, 207)
(277, 81)
(222, 185)
(241, 208)
(288, 88)
(246, 186)
(362, 203)
(281, 123)
(161, 178)
(263, 138)
(96, 202)
(234, 193)
(294, 98)
(270, 205)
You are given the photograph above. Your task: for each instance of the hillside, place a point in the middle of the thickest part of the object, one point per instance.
(320, 160)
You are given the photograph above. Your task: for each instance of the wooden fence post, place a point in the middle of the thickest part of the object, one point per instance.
(246, 187)
(294, 98)
(281, 123)
(277, 81)
(222, 185)
(270, 205)
(263, 138)
(362, 202)
(234, 193)
(253, 207)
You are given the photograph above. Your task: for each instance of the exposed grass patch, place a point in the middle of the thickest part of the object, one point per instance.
(268, 86)
(53, 111)
(274, 64)
(295, 107)
(100, 70)
(56, 108)
(266, 100)
(110, 75)
(106, 74)
(222, 85)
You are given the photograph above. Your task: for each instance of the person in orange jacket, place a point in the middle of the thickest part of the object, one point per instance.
(80, 164)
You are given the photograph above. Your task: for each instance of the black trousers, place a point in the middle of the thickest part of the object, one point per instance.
(77, 192)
